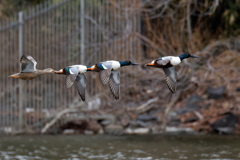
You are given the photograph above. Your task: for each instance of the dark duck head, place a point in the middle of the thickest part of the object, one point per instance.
(187, 55)
(127, 63)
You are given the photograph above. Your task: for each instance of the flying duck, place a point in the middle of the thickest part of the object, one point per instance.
(75, 74)
(109, 74)
(167, 64)
(29, 70)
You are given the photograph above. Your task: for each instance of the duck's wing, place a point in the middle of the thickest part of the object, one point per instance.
(106, 65)
(81, 85)
(104, 75)
(114, 83)
(171, 78)
(28, 63)
(163, 62)
(71, 75)
(70, 80)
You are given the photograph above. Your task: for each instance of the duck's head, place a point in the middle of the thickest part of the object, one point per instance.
(127, 63)
(187, 55)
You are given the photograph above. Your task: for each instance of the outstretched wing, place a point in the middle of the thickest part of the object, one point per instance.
(163, 62)
(171, 78)
(70, 80)
(81, 85)
(104, 75)
(114, 83)
(28, 63)
(105, 65)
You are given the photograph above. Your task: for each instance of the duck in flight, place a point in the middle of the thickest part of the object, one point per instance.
(29, 70)
(75, 74)
(167, 64)
(109, 74)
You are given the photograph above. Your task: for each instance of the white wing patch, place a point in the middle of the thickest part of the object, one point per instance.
(71, 71)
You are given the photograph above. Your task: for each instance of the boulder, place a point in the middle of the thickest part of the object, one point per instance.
(174, 122)
(238, 89)
(179, 130)
(68, 131)
(137, 131)
(114, 129)
(225, 125)
(93, 126)
(138, 123)
(193, 102)
(215, 93)
(146, 117)
(191, 119)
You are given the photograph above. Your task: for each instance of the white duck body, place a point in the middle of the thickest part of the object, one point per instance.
(111, 64)
(173, 60)
(80, 69)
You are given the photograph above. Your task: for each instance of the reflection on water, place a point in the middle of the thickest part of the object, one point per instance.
(100, 147)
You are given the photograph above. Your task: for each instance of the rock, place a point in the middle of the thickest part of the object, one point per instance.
(193, 102)
(105, 122)
(137, 131)
(94, 126)
(68, 131)
(88, 132)
(215, 93)
(238, 89)
(190, 120)
(101, 131)
(114, 129)
(94, 104)
(138, 123)
(174, 122)
(177, 130)
(225, 125)
(78, 125)
(146, 117)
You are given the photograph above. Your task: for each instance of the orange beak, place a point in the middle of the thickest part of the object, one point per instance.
(91, 68)
(14, 76)
(58, 72)
(149, 64)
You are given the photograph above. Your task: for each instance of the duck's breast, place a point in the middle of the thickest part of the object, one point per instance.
(115, 65)
(175, 60)
(111, 64)
(82, 68)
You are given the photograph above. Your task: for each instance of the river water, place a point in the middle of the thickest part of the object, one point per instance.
(103, 147)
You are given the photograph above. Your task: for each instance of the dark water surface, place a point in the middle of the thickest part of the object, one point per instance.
(98, 147)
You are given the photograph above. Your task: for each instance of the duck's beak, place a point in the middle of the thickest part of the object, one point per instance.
(134, 64)
(193, 56)
(14, 76)
(91, 68)
(58, 72)
(148, 64)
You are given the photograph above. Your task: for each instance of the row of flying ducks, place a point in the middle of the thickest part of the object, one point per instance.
(108, 72)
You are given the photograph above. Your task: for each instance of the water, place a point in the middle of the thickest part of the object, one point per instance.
(102, 147)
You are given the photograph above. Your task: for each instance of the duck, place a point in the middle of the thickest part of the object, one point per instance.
(167, 63)
(109, 74)
(75, 73)
(29, 70)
